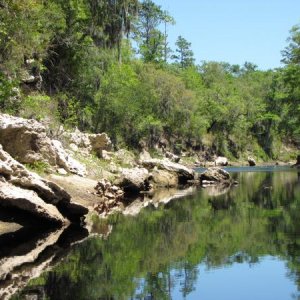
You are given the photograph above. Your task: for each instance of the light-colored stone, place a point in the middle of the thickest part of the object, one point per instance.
(184, 173)
(133, 180)
(221, 161)
(26, 140)
(67, 161)
(163, 178)
(29, 201)
(73, 147)
(251, 161)
(15, 174)
(100, 142)
(144, 155)
(61, 171)
(215, 174)
(172, 156)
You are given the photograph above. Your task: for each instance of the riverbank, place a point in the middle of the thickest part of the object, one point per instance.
(84, 173)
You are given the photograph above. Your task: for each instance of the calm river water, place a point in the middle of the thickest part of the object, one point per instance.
(237, 243)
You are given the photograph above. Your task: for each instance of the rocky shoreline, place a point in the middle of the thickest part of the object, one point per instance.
(81, 174)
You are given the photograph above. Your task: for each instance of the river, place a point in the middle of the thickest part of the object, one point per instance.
(237, 243)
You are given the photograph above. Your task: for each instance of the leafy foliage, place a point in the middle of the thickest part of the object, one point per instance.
(82, 55)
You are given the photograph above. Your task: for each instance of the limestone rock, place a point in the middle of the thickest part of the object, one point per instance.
(251, 161)
(15, 174)
(221, 161)
(133, 181)
(66, 161)
(111, 197)
(184, 174)
(144, 155)
(26, 140)
(163, 178)
(172, 156)
(12, 196)
(100, 142)
(214, 174)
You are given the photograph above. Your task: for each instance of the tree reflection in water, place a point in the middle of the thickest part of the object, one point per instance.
(147, 256)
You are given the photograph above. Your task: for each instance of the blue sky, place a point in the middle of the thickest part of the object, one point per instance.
(234, 31)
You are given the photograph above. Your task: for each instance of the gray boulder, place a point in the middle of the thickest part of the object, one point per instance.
(163, 178)
(26, 140)
(184, 173)
(214, 174)
(133, 181)
(29, 201)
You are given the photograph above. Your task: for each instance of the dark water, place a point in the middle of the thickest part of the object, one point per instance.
(238, 243)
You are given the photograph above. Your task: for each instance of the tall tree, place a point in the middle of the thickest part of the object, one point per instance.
(152, 42)
(291, 78)
(185, 56)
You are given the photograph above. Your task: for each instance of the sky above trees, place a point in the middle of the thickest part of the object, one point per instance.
(234, 30)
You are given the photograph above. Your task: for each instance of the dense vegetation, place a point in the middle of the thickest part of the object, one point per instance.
(107, 66)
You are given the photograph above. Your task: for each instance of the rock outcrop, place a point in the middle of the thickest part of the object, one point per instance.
(221, 161)
(184, 174)
(173, 157)
(251, 161)
(29, 192)
(133, 181)
(87, 142)
(13, 196)
(214, 175)
(26, 140)
(163, 178)
(66, 161)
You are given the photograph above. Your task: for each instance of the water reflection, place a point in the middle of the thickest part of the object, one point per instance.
(165, 253)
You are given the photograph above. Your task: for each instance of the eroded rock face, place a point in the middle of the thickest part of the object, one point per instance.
(26, 140)
(184, 174)
(214, 175)
(19, 181)
(89, 143)
(13, 196)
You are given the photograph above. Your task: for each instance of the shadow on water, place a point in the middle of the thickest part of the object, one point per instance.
(158, 253)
